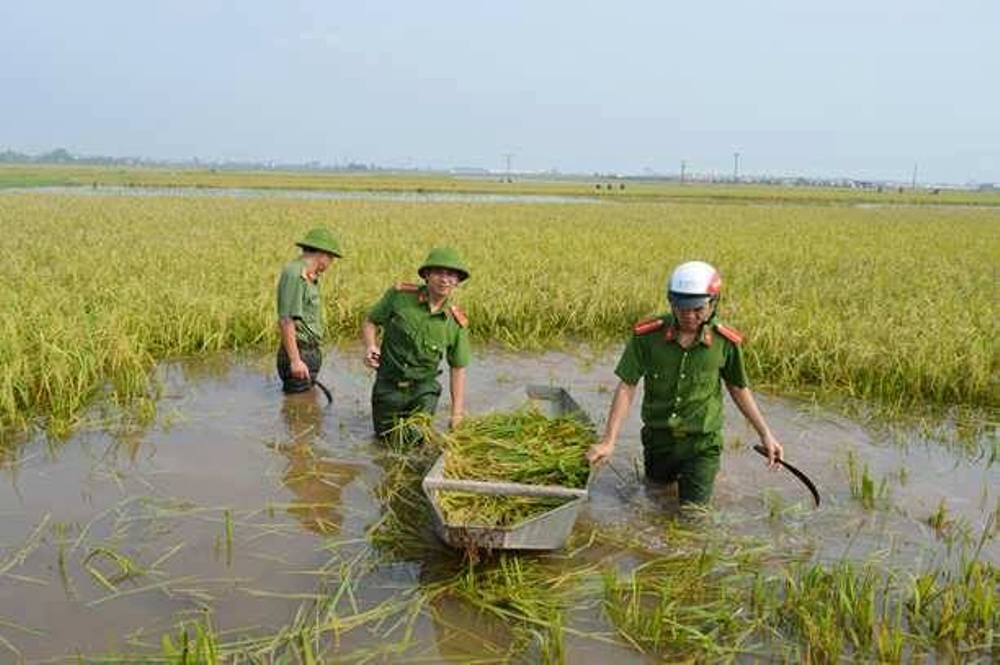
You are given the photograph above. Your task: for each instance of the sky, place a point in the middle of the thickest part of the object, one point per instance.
(868, 89)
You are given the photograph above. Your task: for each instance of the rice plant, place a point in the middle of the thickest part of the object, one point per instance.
(100, 289)
(864, 488)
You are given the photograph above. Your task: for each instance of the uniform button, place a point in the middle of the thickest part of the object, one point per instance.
(673, 415)
(682, 375)
(677, 399)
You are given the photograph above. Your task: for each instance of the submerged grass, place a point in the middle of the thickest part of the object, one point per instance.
(863, 487)
(700, 594)
(701, 606)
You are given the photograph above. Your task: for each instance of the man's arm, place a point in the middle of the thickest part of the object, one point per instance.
(298, 368)
(457, 387)
(369, 336)
(620, 405)
(748, 407)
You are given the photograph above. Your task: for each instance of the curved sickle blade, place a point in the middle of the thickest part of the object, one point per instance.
(326, 391)
(795, 472)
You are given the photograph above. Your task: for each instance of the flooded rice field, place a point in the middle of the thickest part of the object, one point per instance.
(301, 194)
(245, 508)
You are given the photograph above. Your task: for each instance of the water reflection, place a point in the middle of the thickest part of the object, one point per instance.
(316, 479)
(226, 439)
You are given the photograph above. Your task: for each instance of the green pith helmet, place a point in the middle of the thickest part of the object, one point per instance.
(444, 257)
(323, 240)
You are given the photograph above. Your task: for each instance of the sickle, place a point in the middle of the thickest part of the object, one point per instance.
(326, 391)
(795, 472)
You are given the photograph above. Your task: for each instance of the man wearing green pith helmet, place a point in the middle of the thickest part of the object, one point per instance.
(420, 327)
(300, 310)
(683, 358)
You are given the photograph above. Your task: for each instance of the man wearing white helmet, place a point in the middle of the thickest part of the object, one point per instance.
(684, 357)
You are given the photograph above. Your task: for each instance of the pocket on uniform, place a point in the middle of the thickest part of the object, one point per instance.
(434, 350)
(711, 445)
(656, 385)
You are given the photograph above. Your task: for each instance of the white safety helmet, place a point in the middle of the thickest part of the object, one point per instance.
(693, 284)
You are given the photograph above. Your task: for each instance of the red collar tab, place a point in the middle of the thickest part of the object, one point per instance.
(671, 334)
(733, 335)
(706, 337)
(422, 297)
(647, 326)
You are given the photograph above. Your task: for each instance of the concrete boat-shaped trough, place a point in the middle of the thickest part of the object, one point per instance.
(547, 531)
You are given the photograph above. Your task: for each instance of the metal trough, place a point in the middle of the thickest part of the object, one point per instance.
(546, 531)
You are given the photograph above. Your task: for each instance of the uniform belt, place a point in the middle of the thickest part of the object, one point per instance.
(401, 383)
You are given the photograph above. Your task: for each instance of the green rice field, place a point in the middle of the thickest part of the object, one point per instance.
(892, 305)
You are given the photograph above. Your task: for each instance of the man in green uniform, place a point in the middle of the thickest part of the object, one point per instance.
(419, 327)
(684, 357)
(300, 311)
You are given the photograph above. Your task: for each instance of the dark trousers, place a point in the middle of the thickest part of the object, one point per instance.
(393, 399)
(692, 460)
(311, 356)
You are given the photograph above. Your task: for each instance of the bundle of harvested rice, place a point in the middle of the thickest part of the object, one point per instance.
(520, 446)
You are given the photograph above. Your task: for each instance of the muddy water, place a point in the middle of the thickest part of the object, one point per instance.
(234, 499)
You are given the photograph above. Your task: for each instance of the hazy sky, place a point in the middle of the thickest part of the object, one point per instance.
(859, 88)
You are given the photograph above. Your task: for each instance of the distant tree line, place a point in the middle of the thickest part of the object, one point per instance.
(63, 156)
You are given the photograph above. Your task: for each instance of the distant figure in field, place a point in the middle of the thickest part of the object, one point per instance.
(684, 357)
(420, 327)
(300, 310)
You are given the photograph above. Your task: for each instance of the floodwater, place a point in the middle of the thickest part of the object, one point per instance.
(303, 194)
(235, 499)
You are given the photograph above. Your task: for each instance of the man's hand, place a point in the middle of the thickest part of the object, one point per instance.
(774, 449)
(299, 369)
(372, 357)
(600, 451)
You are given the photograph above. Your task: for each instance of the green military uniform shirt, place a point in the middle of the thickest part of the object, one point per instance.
(298, 300)
(683, 391)
(414, 340)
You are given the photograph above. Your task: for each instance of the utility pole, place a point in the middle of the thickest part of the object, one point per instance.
(736, 167)
(913, 180)
(507, 157)
(683, 169)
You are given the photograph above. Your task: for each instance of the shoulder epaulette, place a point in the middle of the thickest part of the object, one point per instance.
(732, 334)
(647, 326)
(407, 287)
(459, 316)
